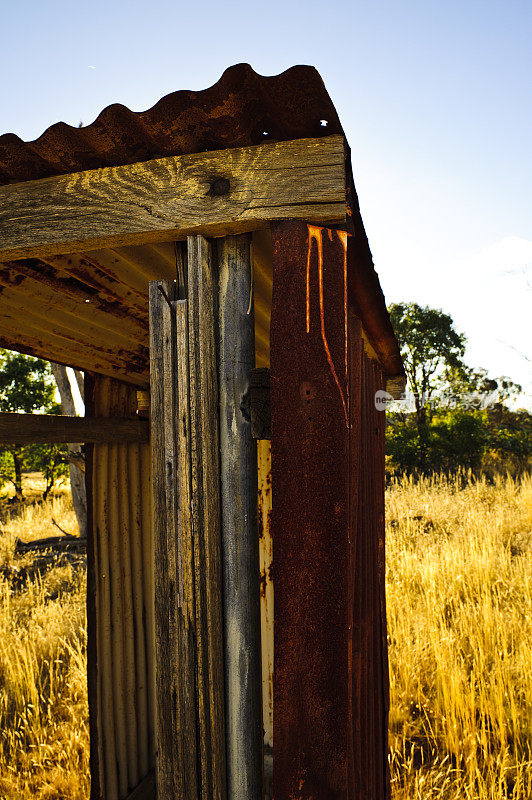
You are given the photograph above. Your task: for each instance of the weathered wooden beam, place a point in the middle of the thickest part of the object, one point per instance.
(205, 496)
(217, 193)
(238, 478)
(191, 759)
(175, 619)
(48, 428)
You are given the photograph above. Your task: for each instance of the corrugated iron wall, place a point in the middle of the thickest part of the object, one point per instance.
(120, 604)
(330, 680)
(369, 670)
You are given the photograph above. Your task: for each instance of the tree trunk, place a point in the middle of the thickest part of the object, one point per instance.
(17, 461)
(80, 380)
(75, 455)
(422, 429)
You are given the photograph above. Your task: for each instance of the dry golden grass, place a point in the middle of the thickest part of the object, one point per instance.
(459, 584)
(43, 688)
(459, 588)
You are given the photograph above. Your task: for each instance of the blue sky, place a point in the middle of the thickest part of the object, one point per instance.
(435, 99)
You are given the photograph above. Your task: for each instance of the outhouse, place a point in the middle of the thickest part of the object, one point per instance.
(205, 263)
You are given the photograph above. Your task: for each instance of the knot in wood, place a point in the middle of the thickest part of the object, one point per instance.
(219, 187)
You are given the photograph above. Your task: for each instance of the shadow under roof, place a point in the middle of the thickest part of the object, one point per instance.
(89, 310)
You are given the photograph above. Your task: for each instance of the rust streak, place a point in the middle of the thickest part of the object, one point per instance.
(315, 232)
(342, 235)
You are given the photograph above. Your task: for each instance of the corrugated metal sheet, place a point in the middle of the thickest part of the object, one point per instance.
(330, 681)
(369, 666)
(122, 652)
(242, 108)
(106, 290)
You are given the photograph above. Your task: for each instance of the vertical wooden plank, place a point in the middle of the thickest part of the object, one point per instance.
(205, 491)
(185, 556)
(238, 465)
(168, 763)
(174, 578)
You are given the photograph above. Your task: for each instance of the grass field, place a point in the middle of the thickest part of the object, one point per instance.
(43, 690)
(459, 585)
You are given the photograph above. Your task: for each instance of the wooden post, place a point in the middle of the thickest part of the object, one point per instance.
(175, 618)
(188, 575)
(205, 496)
(238, 454)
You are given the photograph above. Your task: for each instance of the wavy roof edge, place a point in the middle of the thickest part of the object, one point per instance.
(242, 108)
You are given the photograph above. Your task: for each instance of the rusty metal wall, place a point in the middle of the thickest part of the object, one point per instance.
(330, 679)
(369, 667)
(120, 604)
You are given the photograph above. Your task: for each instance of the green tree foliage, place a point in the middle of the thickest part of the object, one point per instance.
(489, 441)
(430, 347)
(454, 429)
(26, 386)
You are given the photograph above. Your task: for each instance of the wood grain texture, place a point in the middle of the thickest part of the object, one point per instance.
(185, 556)
(205, 490)
(169, 198)
(165, 610)
(238, 462)
(36, 428)
(177, 761)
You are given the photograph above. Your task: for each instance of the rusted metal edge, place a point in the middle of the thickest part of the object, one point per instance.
(242, 108)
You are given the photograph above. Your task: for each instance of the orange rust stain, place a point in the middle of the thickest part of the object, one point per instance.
(342, 235)
(315, 233)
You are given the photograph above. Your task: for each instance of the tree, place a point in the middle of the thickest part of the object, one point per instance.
(460, 429)
(465, 380)
(76, 459)
(430, 346)
(50, 459)
(26, 386)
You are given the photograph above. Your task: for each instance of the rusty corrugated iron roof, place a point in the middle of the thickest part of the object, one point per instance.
(242, 108)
